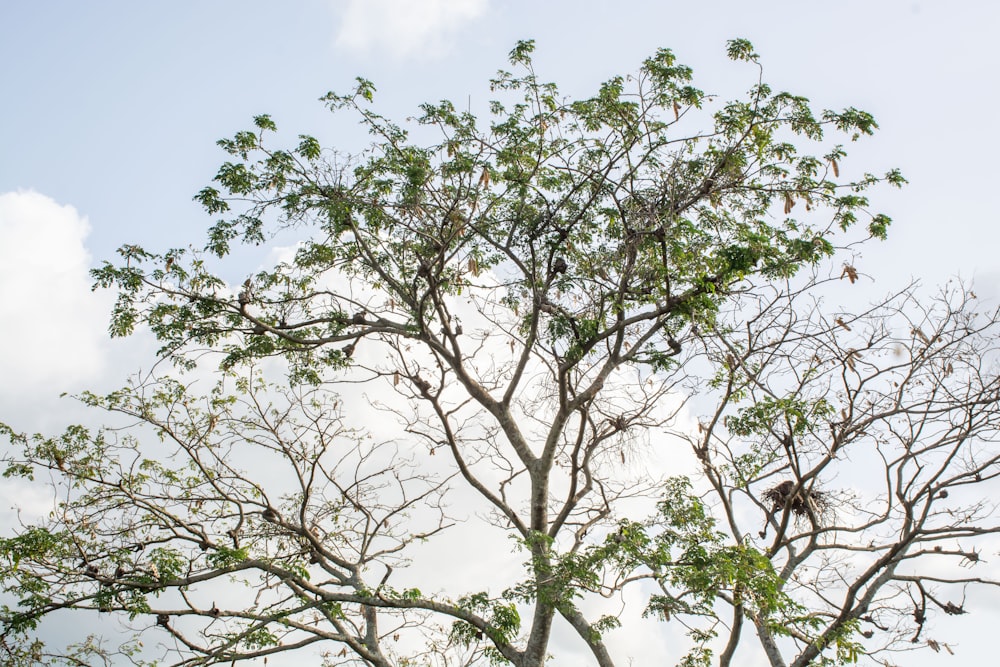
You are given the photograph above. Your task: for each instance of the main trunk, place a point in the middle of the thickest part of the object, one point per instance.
(541, 559)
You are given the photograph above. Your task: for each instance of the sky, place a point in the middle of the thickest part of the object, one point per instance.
(111, 109)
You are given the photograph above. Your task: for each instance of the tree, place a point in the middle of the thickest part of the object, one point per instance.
(601, 333)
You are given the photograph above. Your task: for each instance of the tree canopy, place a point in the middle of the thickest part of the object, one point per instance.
(598, 333)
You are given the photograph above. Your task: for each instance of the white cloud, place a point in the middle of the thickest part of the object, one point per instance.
(404, 28)
(53, 324)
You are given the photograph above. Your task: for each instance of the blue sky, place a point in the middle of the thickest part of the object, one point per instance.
(110, 111)
(114, 107)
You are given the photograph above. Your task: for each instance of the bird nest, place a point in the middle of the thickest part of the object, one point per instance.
(800, 502)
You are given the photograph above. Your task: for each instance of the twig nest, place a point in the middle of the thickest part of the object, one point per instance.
(800, 503)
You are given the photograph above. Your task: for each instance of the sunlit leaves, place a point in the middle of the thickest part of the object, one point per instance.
(852, 120)
(740, 49)
(521, 53)
(879, 226)
(223, 556)
(768, 416)
(502, 624)
(209, 198)
(309, 147)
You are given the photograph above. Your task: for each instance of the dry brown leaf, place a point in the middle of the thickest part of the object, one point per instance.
(836, 168)
(473, 266)
(789, 203)
(484, 180)
(852, 354)
(395, 379)
(677, 111)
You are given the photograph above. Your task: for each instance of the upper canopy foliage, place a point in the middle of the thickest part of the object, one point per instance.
(594, 215)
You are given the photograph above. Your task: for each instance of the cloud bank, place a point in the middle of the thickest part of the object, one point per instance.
(404, 28)
(54, 325)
